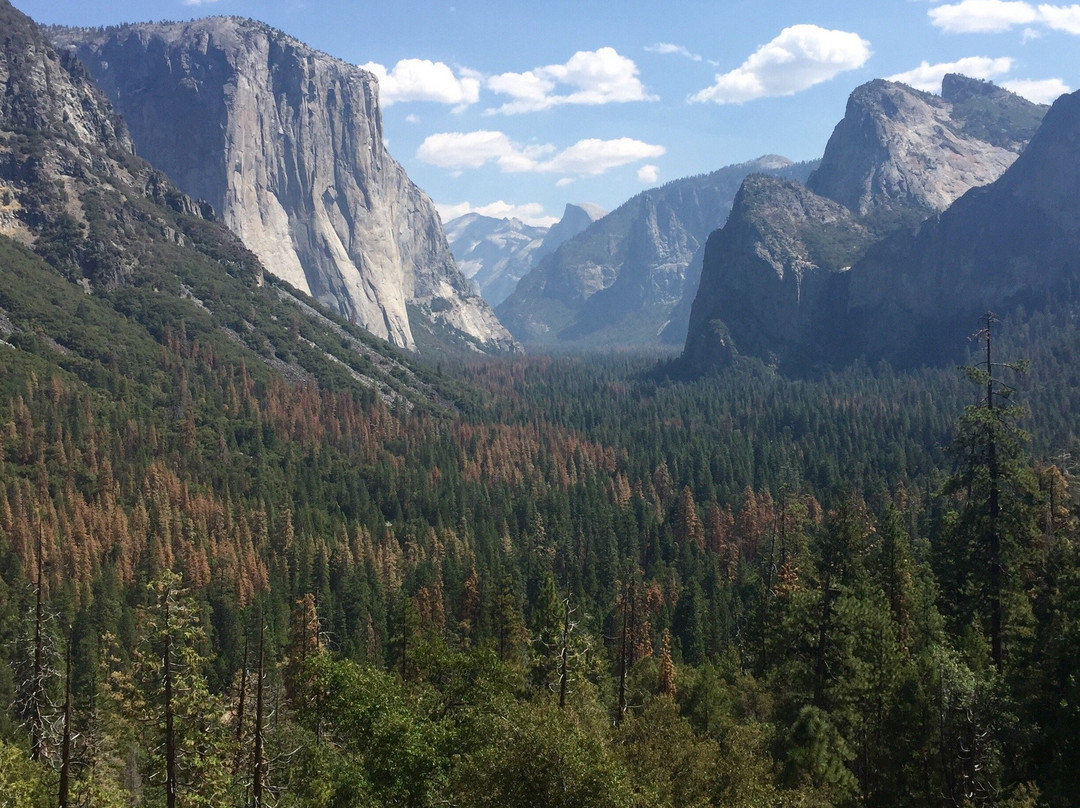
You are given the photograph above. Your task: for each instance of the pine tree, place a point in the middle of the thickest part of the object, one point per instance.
(994, 489)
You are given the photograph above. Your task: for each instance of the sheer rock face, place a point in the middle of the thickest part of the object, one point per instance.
(898, 157)
(628, 278)
(767, 274)
(901, 148)
(915, 297)
(286, 143)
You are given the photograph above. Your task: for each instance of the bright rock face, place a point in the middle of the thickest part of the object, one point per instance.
(801, 276)
(901, 148)
(286, 144)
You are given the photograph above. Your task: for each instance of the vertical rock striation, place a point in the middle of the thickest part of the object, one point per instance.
(286, 143)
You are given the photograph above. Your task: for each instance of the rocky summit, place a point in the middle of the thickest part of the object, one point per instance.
(899, 157)
(898, 148)
(1016, 242)
(769, 271)
(286, 144)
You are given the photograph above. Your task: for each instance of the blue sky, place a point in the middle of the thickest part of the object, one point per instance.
(515, 109)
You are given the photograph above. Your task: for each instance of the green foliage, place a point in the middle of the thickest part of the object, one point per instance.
(542, 756)
(782, 531)
(22, 783)
(372, 745)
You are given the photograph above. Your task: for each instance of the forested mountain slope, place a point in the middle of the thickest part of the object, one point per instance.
(249, 554)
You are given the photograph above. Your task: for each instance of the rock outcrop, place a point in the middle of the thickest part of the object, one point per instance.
(915, 297)
(767, 272)
(898, 157)
(130, 261)
(56, 131)
(625, 280)
(286, 144)
(901, 149)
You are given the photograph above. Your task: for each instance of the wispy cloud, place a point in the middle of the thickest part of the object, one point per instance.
(799, 57)
(677, 50)
(592, 156)
(928, 77)
(997, 16)
(460, 150)
(532, 213)
(602, 76)
(424, 80)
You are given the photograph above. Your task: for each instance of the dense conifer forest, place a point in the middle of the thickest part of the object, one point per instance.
(544, 581)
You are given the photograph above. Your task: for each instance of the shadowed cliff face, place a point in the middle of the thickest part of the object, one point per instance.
(768, 272)
(287, 144)
(775, 282)
(628, 278)
(1015, 242)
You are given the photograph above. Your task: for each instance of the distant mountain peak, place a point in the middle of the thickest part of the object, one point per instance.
(898, 148)
(628, 278)
(778, 280)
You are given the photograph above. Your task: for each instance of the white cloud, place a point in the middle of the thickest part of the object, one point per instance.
(411, 118)
(982, 16)
(997, 16)
(928, 77)
(1041, 91)
(460, 150)
(590, 157)
(800, 57)
(424, 80)
(677, 50)
(532, 213)
(648, 174)
(1061, 18)
(198, 2)
(589, 77)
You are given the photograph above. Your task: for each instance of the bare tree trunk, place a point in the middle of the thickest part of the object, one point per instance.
(240, 710)
(37, 700)
(259, 762)
(994, 508)
(564, 653)
(622, 657)
(170, 732)
(65, 748)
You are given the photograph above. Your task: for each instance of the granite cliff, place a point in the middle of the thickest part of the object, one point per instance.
(1016, 242)
(286, 144)
(770, 270)
(627, 279)
(898, 157)
(128, 269)
(901, 149)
